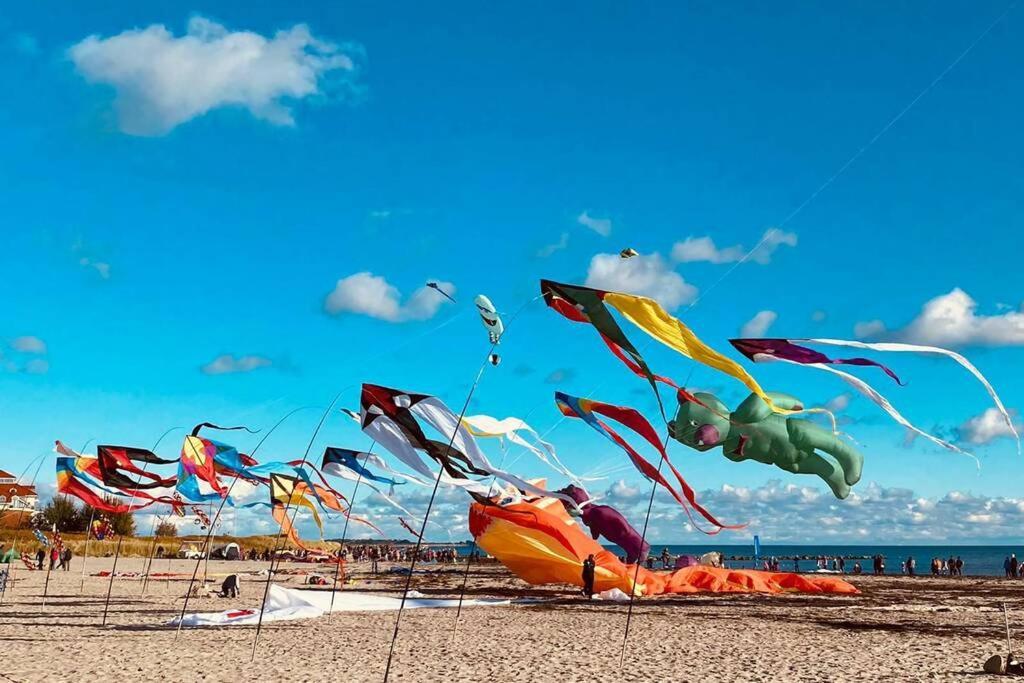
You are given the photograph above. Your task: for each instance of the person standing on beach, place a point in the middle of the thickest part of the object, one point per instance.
(65, 558)
(588, 576)
(41, 557)
(1006, 566)
(959, 566)
(911, 566)
(1013, 565)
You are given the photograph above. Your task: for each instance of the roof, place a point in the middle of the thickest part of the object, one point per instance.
(17, 490)
(4, 474)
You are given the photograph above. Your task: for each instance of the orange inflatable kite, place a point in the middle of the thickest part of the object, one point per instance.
(540, 543)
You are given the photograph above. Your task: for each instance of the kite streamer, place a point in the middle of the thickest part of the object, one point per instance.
(917, 348)
(392, 418)
(585, 409)
(509, 428)
(583, 304)
(760, 350)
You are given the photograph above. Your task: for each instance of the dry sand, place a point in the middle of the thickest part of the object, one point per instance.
(899, 628)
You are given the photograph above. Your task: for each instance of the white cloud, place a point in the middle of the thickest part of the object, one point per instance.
(368, 294)
(951, 320)
(819, 316)
(648, 276)
(228, 364)
(549, 249)
(759, 324)
(28, 344)
(695, 249)
(985, 428)
(162, 80)
(602, 226)
(870, 328)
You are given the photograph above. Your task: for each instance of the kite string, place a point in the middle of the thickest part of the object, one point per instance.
(430, 503)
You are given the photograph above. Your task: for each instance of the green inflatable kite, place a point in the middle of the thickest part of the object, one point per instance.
(755, 432)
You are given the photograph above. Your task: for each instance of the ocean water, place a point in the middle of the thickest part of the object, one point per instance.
(979, 560)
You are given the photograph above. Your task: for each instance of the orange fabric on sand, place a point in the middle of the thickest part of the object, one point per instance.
(540, 543)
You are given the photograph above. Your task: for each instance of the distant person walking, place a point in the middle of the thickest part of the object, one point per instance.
(588, 576)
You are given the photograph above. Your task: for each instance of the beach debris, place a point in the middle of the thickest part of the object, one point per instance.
(490, 318)
(437, 287)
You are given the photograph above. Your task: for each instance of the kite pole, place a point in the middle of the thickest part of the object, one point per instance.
(21, 516)
(88, 537)
(280, 527)
(344, 533)
(120, 537)
(224, 500)
(430, 503)
(152, 549)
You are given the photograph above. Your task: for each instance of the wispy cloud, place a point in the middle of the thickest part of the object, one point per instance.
(372, 295)
(602, 226)
(560, 376)
(28, 344)
(227, 364)
(696, 249)
(549, 249)
(646, 275)
(162, 80)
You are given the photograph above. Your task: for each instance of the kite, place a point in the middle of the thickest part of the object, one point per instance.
(41, 537)
(392, 418)
(784, 351)
(587, 410)
(604, 520)
(628, 252)
(437, 287)
(510, 428)
(102, 529)
(115, 461)
(339, 461)
(583, 304)
(537, 541)
(754, 432)
(799, 357)
(494, 359)
(285, 492)
(74, 479)
(490, 318)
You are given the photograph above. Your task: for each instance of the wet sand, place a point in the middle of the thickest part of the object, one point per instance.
(909, 629)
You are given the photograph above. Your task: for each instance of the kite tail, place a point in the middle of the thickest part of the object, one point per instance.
(210, 425)
(915, 348)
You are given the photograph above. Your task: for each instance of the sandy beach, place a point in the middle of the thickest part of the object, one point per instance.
(899, 628)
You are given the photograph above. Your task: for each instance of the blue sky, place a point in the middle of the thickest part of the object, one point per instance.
(167, 203)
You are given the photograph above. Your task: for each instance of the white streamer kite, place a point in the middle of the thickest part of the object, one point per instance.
(485, 426)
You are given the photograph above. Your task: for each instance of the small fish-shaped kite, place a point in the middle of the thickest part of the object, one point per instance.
(628, 252)
(490, 318)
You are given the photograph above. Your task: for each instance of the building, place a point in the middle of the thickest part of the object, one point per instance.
(15, 496)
